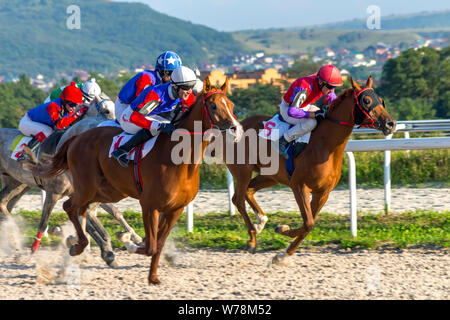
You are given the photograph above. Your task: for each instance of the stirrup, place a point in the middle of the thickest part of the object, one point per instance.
(121, 157)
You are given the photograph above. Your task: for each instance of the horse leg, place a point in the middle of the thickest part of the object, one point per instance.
(151, 221)
(317, 202)
(50, 201)
(302, 197)
(12, 203)
(100, 235)
(257, 183)
(11, 189)
(77, 215)
(166, 224)
(150, 218)
(112, 210)
(242, 180)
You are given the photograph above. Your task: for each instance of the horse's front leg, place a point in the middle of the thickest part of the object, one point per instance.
(50, 201)
(168, 220)
(113, 211)
(302, 197)
(150, 218)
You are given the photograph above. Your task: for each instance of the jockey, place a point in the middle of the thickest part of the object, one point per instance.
(154, 109)
(165, 64)
(90, 90)
(41, 121)
(297, 107)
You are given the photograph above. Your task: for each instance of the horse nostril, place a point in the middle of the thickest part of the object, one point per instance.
(391, 124)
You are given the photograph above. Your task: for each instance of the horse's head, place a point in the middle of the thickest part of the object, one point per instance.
(101, 107)
(369, 108)
(219, 108)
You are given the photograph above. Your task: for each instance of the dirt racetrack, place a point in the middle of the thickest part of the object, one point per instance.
(206, 274)
(325, 273)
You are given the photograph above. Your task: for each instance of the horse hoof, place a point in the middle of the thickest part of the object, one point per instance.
(109, 258)
(72, 251)
(154, 280)
(282, 228)
(250, 248)
(123, 237)
(70, 241)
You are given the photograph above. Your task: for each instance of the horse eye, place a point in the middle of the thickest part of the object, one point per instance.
(214, 106)
(366, 100)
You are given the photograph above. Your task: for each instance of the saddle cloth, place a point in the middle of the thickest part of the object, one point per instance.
(123, 138)
(17, 146)
(275, 128)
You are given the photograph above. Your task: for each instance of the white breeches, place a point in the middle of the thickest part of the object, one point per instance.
(301, 126)
(119, 108)
(131, 128)
(29, 127)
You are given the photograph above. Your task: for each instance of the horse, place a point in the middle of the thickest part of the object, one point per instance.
(168, 185)
(317, 169)
(17, 179)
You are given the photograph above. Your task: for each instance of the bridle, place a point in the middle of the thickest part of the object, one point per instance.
(365, 110)
(207, 115)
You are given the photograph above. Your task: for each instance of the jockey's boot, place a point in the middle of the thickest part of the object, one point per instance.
(32, 144)
(283, 146)
(297, 148)
(120, 154)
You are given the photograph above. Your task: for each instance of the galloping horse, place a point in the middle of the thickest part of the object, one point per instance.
(167, 187)
(317, 168)
(16, 180)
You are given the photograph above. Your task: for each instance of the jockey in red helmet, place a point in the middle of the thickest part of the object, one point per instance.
(297, 107)
(42, 120)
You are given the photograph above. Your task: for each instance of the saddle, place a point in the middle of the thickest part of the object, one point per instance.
(48, 146)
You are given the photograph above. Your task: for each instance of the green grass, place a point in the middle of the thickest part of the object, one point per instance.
(421, 228)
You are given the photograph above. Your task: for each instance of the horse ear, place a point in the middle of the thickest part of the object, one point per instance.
(225, 87)
(355, 86)
(369, 82)
(206, 85)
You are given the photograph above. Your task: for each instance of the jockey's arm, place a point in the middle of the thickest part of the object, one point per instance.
(143, 82)
(55, 114)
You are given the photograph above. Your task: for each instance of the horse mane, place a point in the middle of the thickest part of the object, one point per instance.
(343, 95)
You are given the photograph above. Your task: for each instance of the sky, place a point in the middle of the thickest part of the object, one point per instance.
(234, 15)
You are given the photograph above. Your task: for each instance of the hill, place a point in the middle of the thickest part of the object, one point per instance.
(34, 37)
(352, 34)
(421, 20)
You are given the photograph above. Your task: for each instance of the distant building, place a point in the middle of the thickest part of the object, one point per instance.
(243, 80)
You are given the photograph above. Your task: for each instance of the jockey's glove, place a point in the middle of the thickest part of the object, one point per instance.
(321, 114)
(167, 128)
(80, 112)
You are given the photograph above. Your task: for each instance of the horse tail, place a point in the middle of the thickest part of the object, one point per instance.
(55, 165)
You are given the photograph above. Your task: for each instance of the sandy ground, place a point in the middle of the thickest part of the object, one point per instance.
(210, 275)
(324, 273)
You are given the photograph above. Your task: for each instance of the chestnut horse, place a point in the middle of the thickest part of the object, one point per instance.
(167, 187)
(317, 168)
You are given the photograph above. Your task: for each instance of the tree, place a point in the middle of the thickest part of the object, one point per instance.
(410, 109)
(16, 98)
(258, 99)
(422, 75)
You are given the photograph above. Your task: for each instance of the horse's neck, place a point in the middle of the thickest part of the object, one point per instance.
(334, 136)
(195, 126)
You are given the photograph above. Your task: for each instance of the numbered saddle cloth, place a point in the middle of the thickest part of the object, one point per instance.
(17, 145)
(274, 128)
(123, 138)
